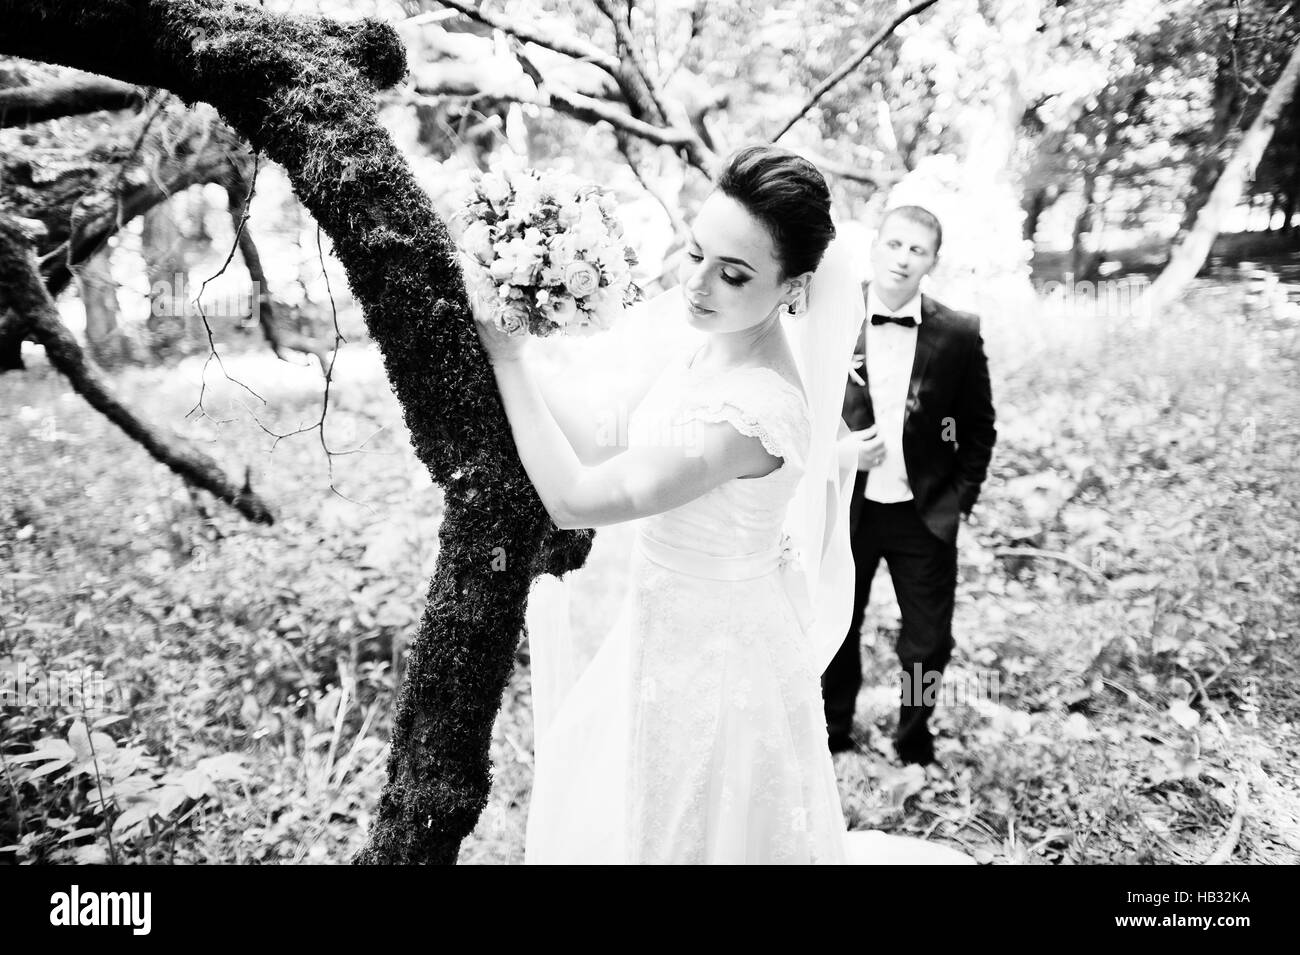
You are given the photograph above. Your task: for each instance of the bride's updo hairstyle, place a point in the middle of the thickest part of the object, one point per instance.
(788, 195)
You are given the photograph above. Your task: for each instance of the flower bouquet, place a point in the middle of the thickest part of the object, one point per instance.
(544, 252)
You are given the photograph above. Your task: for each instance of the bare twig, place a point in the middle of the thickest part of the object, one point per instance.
(1225, 849)
(535, 33)
(1224, 852)
(1129, 693)
(1050, 555)
(328, 370)
(1209, 704)
(198, 301)
(880, 178)
(853, 63)
(670, 208)
(278, 337)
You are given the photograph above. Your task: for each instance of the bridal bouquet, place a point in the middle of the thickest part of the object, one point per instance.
(545, 252)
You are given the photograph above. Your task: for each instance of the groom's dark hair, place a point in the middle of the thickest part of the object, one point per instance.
(789, 196)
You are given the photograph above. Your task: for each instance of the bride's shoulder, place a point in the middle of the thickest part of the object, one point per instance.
(759, 400)
(780, 387)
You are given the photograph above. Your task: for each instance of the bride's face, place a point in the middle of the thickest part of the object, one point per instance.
(730, 276)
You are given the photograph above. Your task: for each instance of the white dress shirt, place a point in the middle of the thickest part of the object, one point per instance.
(891, 350)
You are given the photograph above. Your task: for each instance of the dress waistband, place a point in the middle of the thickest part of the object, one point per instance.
(711, 566)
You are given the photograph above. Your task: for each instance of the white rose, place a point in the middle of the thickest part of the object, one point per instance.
(581, 278)
(512, 319)
(502, 268)
(477, 240)
(518, 261)
(494, 188)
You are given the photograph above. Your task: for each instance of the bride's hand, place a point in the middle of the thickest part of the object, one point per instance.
(499, 346)
(866, 448)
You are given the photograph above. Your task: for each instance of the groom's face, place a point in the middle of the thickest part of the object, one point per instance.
(730, 275)
(904, 253)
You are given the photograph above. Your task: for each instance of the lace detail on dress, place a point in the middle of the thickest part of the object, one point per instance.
(759, 403)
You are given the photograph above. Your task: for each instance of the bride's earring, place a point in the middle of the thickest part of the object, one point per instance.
(797, 304)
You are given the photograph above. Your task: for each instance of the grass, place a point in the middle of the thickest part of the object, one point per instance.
(1145, 672)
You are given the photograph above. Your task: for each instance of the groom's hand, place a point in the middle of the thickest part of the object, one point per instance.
(867, 447)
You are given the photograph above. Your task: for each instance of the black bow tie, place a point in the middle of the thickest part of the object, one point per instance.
(907, 321)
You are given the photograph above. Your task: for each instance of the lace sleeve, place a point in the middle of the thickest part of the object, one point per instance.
(758, 403)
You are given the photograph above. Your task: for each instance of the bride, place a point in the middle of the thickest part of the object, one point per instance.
(697, 733)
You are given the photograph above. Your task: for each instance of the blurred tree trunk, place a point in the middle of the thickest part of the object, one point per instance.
(1083, 258)
(1189, 255)
(1228, 106)
(280, 334)
(166, 269)
(1125, 99)
(196, 215)
(105, 341)
(1037, 202)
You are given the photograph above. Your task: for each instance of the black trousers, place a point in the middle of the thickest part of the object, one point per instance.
(924, 572)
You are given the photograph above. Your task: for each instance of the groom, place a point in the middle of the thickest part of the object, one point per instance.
(922, 388)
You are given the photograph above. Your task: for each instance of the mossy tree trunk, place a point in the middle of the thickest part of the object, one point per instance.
(301, 90)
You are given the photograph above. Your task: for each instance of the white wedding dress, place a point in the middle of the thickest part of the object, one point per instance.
(697, 733)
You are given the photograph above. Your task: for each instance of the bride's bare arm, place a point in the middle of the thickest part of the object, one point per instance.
(635, 483)
(594, 420)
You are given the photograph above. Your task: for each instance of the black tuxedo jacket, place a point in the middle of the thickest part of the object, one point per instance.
(948, 430)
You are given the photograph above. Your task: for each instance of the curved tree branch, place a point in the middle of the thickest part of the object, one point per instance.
(24, 105)
(83, 200)
(25, 294)
(853, 62)
(634, 76)
(591, 110)
(536, 33)
(880, 178)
